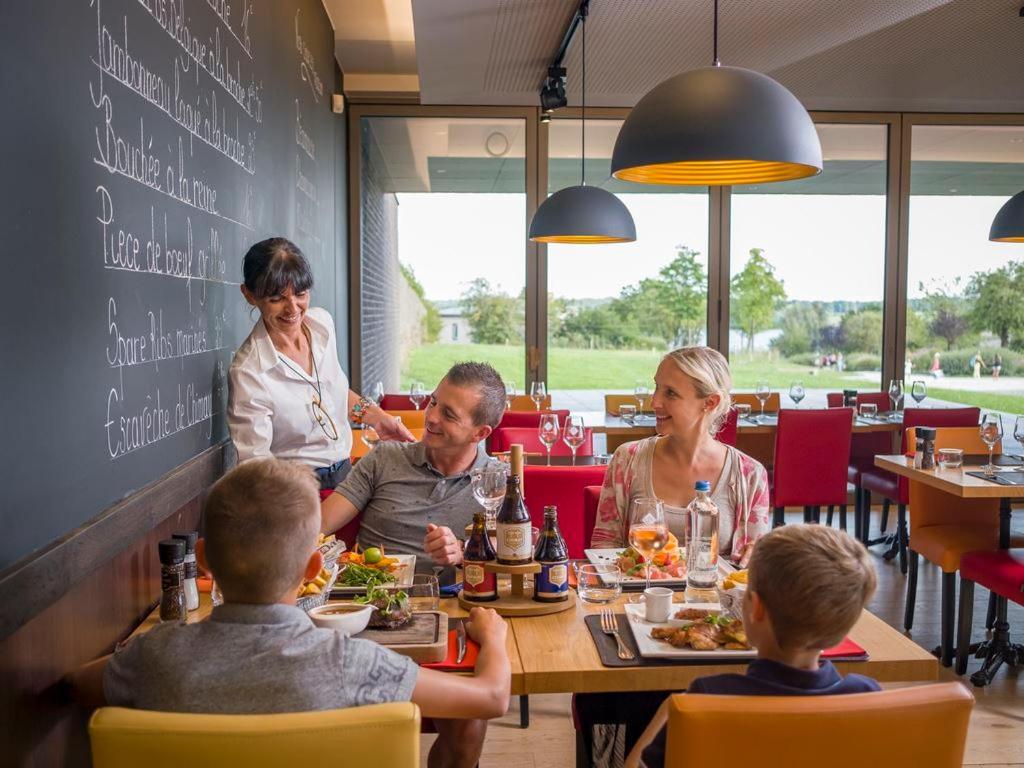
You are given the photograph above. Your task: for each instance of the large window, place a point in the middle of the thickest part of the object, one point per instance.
(965, 308)
(614, 310)
(443, 231)
(807, 263)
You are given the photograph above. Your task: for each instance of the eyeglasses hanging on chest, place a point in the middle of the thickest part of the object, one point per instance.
(320, 414)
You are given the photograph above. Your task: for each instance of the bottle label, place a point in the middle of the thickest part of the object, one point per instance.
(552, 583)
(477, 582)
(514, 542)
(170, 578)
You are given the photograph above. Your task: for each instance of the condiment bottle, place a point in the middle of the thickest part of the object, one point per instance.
(191, 590)
(172, 577)
(552, 583)
(925, 447)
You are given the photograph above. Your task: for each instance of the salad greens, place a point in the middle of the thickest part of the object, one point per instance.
(356, 575)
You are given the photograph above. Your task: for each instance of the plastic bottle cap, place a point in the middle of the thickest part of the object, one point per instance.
(703, 485)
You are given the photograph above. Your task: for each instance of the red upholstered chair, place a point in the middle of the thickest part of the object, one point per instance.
(503, 438)
(530, 418)
(348, 532)
(812, 452)
(591, 496)
(399, 403)
(727, 434)
(891, 488)
(1001, 572)
(563, 487)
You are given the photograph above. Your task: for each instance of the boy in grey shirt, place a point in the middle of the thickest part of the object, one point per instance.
(258, 653)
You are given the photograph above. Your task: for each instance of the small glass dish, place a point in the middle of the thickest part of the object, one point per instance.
(598, 582)
(627, 413)
(950, 458)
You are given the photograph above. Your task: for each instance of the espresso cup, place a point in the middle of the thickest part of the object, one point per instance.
(657, 604)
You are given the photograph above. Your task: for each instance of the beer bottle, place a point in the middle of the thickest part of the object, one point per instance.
(514, 545)
(478, 584)
(552, 583)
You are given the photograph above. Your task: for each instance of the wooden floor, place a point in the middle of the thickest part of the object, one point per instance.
(996, 736)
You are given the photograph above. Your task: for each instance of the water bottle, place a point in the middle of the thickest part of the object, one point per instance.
(702, 546)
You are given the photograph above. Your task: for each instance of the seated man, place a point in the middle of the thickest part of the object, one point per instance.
(807, 587)
(258, 653)
(416, 498)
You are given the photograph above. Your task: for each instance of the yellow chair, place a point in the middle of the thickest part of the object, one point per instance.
(772, 404)
(411, 419)
(612, 403)
(815, 731)
(360, 449)
(525, 403)
(379, 734)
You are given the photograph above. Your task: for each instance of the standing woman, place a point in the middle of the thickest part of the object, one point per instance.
(288, 396)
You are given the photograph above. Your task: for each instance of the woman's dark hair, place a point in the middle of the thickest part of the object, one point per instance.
(272, 265)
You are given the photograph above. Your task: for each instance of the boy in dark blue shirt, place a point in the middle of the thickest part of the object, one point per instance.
(807, 587)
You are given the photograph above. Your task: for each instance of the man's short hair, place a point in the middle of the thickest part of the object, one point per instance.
(490, 386)
(260, 524)
(814, 582)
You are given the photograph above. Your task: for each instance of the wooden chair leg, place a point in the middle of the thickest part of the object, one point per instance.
(948, 618)
(524, 711)
(842, 517)
(964, 621)
(885, 514)
(902, 536)
(908, 609)
(778, 517)
(828, 517)
(990, 616)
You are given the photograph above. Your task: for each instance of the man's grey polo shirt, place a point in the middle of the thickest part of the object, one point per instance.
(399, 491)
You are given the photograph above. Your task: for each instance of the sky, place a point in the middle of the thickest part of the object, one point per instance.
(824, 247)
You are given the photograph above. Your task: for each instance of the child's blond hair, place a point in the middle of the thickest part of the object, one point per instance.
(814, 582)
(260, 525)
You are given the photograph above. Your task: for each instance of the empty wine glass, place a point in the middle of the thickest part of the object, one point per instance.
(548, 432)
(648, 532)
(762, 392)
(1018, 429)
(510, 393)
(991, 431)
(896, 395)
(488, 484)
(417, 393)
(796, 392)
(377, 392)
(641, 393)
(574, 434)
(538, 393)
(919, 391)
(369, 436)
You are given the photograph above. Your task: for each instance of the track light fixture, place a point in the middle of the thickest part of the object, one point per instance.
(552, 93)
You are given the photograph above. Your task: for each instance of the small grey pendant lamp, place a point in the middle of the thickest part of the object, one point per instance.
(1008, 225)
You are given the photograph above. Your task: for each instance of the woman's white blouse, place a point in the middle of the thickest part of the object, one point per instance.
(270, 402)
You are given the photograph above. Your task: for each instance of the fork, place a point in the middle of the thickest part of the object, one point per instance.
(610, 626)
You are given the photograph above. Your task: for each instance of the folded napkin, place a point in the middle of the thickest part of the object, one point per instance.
(449, 665)
(846, 649)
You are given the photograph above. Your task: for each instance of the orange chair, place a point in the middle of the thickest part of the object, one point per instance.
(812, 731)
(772, 405)
(411, 419)
(612, 403)
(525, 403)
(943, 527)
(360, 449)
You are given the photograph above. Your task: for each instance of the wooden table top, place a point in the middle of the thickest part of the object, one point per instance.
(954, 481)
(555, 654)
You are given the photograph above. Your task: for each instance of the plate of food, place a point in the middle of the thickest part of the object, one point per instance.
(668, 567)
(693, 631)
(372, 567)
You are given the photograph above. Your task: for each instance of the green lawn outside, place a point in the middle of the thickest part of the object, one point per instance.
(986, 400)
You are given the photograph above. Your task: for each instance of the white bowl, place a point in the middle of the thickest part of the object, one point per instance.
(344, 617)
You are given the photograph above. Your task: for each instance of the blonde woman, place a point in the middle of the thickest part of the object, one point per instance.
(690, 402)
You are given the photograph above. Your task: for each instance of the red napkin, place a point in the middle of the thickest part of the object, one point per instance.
(449, 665)
(844, 649)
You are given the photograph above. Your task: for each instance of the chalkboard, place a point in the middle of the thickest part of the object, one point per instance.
(146, 145)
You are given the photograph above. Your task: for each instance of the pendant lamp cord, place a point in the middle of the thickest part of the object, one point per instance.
(583, 110)
(717, 63)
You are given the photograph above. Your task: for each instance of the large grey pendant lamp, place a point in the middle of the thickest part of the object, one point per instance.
(582, 214)
(717, 126)
(1008, 225)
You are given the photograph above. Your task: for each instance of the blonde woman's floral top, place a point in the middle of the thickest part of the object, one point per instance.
(741, 494)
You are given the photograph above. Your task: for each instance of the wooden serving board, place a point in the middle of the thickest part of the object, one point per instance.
(511, 604)
(424, 639)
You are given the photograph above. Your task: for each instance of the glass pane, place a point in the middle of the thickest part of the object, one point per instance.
(965, 295)
(443, 214)
(807, 272)
(614, 310)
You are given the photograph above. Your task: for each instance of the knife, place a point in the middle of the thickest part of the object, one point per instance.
(460, 640)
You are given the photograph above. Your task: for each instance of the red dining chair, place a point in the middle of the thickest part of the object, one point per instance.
(348, 532)
(563, 487)
(894, 489)
(530, 418)
(1000, 571)
(503, 438)
(812, 453)
(399, 403)
(591, 496)
(727, 433)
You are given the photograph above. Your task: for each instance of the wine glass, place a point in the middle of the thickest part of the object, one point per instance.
(548, 431)
(377, 392)
(574, 434)
(417, 393)
(648, 532)
(488, 484)
(510, 393)
(919, 391)
(641, 393)
(1018, 430)
(991, 431)
(538, 393)
(796, 392)
(762, 392)
(369, 436)
(896, 395)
